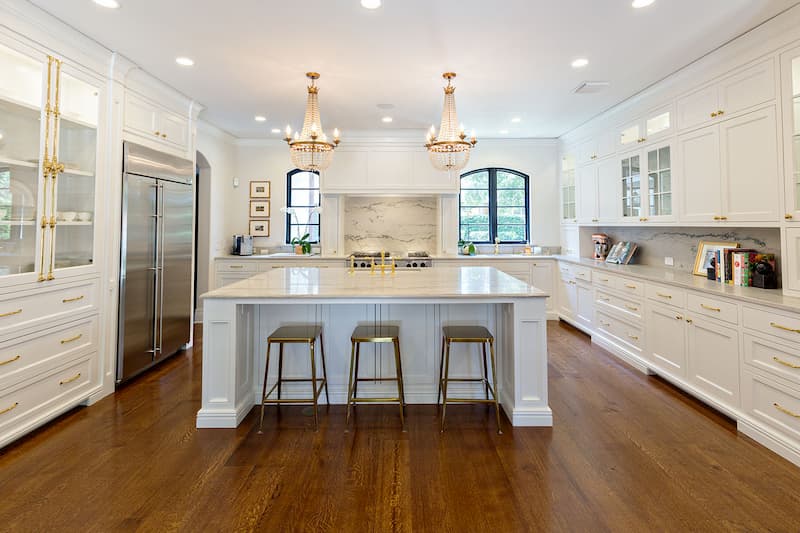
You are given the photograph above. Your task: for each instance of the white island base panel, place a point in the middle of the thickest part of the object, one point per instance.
(235, 332)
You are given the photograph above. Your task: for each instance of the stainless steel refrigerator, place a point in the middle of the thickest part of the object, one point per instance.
(155, 307)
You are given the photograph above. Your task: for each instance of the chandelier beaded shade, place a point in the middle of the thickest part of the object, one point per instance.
(310, 149)
(449, 151)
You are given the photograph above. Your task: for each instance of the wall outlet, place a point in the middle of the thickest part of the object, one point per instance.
(669, 261)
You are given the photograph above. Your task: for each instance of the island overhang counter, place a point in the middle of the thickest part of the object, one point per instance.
(238, 318)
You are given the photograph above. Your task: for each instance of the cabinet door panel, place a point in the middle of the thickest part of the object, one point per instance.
(701, 178)
(751, 180)
(389, 169)
(140, 116)
(695, 109)
(748, 88)
(790, 79)
(606, 144)
(348, 172)
(791, 267)
(174, 129)
(666, 339)
(585, 303)
(426, 176)
(608, 202)
(568, 299)
(542, 278)
(714, 361)
(587, 194)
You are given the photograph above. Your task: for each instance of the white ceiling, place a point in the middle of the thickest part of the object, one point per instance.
(512, 56)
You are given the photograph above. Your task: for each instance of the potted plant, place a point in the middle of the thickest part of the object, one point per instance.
(302, 246)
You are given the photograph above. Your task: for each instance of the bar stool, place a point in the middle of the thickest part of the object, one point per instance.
(471, 334)
(374, 333)
(295, 335)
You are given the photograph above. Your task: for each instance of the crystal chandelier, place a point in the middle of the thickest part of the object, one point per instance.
(449, 151)
(310, 149)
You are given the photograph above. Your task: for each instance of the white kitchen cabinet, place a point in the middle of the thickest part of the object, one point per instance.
(424, 176)
(570, 241)
(599, 146)
(790, 102)
(584, 310)
(647, 184)
(714, 360)
(348, 172)
(701, 177)
(569, 210)
(543, 277)
(586, 184)
(791, 261)
(155, 125)
(728, 96)
(568, 298)
(650, 127)
(388, 169)
(597, 192)
(666, 339)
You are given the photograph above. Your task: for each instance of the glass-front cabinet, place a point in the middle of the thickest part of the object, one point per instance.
(791, 119)
(48, 163)
(569, 212)
(650, 127)
(646, 181)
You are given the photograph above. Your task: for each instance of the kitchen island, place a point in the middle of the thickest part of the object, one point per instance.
(238, 318)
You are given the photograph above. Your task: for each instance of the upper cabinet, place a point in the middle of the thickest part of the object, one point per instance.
(151, 124)
(569, 212)
(647, 180)
(790, 90)
(733, 94)
(597, 193)
(598, 147)
(651, 127)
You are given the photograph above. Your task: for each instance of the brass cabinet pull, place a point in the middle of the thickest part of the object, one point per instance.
(235, 266)
(717, 218)
(572, 282)
(667, 296)
(787, 216)
(10, 360)
(714, 114)
(688, 320)
(776, 359)
(784, 410)
(70, 380)
(723, 218)
(784, 328)
(629, 286)
(632, 308)
(704, 306)
(594, 220)
(164, 135)
(720, 112)
(68, 300)
(72, 339)
(604, 299)
(678, 317)
(18, 311)
(604, 280)
(634, 337)
(158, 133)
(7, 409)
(606, 324)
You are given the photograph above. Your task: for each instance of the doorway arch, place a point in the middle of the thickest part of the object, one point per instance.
(202, 259)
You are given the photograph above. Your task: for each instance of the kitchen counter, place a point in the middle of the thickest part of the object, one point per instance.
(770, 297)
(238, 317)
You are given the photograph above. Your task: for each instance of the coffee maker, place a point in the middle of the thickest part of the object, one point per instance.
(601, 246)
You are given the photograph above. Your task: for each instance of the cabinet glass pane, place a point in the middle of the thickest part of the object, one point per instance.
(659, 182)
(568, 207)
(75, 191)
(631, 187)
(658, 123)
(20, 119)
(629, 135)
(796, 129)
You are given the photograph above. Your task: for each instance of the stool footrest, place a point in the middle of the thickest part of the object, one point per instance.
(374, 400)
(469, 400)
(317, 393)
(377, 379)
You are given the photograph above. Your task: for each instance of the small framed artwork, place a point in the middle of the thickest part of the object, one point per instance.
(259, 228)
(259, 189)
(705, 255)
(259, 208)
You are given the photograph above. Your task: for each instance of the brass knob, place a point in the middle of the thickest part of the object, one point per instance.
(720, 112)
(688, 320)
(713, 114)
(716, 218)
(788, 216)
(723, 218)
(678, 317)
(164, 135)
(158, 133)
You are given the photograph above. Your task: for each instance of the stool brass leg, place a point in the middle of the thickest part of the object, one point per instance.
(401, 394)
(350, 390)
(441, 366)
(314, 383)
(324, 372)
(355, 383)
(485, 371)
(280, 369)
(494, 387)
(444, 382)
(264, 391)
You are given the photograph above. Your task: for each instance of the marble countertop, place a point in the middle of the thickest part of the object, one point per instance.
(687, 280)
(292, 256)
(339, 283)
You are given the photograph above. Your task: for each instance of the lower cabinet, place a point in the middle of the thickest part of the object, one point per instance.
(584, 303)
(666, 339)
(713, 362)
(568, 298)
(542, 277)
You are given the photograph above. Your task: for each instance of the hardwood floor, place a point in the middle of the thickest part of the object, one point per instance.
(627, 453)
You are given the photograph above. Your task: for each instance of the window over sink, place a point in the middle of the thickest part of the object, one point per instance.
(302, 202)
(494, 203)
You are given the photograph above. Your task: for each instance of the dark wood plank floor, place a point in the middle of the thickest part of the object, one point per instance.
(627, 453)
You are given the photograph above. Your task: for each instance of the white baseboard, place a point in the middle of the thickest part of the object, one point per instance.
(783, 447)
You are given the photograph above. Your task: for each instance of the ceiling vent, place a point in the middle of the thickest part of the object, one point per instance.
(589, 87)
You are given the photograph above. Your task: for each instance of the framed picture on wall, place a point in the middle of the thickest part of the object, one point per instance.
(259, 189)
(259, 208)
(259, 228)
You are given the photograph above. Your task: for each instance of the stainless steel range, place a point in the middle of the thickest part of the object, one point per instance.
(364, 259)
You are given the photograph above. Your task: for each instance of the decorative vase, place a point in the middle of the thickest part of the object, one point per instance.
(298, 249)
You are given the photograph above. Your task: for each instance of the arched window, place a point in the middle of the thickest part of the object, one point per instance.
(302, 202)
(494, 202)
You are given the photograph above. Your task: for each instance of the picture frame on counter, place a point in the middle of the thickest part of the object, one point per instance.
(259, 208)
(705, 255)
(260, 189)
(259, 228)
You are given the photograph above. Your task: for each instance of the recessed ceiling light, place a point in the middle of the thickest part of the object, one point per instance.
(516, 120)
(184, 61)
(276, 130)
(371, 4)
(503, 132)
(386, 119)
(641, 3)
(261, 118)
(580, 62)
(111, 4)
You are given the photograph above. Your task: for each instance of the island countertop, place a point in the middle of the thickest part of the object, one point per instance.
(341, 283)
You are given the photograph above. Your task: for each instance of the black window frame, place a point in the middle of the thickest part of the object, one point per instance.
(289, 223)
(492, 171)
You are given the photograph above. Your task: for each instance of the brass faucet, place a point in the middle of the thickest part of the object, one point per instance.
(382, 266)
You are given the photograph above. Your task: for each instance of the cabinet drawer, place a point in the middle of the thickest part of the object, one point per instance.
(779, 359)
(582, 273)
(56, 389)
(711, 307)
(667, 295)
(772, 403)
(565, 271)
(620, 330)
(604, 280)
(29, 308)
(237, 266)
(629, 286)
(38, 352)
(628, 307)
(770, 322)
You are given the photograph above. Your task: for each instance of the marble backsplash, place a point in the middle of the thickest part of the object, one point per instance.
(681, 243)
(393, 224)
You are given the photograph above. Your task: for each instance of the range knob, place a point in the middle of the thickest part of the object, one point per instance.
(423, 265)
(415, 265)
(408, 265)
(363, 265)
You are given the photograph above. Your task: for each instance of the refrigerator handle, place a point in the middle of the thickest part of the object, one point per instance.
(157, 271)
(161, 277)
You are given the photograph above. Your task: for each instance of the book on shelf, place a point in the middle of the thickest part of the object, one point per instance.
(735, 266)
